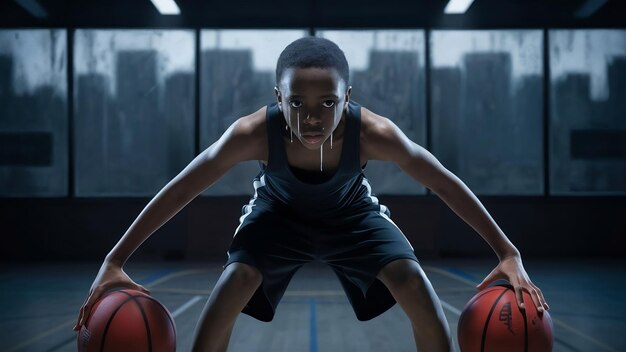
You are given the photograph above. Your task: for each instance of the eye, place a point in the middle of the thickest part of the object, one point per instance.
(291, 103)
(332, 103)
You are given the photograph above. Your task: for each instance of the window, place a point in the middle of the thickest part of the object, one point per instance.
(387, 77)
(487, 108)
(238, 75)
(33, 113)
(134, 109)
(588, 111)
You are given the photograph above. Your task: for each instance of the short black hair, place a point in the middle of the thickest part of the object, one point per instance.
(313, 52)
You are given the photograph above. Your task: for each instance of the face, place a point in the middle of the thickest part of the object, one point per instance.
(312, 101)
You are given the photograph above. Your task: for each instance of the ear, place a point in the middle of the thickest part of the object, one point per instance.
(348, 92)
(279, 99)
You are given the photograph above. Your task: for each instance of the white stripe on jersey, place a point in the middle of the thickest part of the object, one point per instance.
(382, 208)
(248, 207)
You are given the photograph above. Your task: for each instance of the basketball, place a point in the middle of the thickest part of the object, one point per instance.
(493, 322)
(128, 320)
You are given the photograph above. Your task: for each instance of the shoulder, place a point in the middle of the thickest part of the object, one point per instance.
(251, 125)
(381, 139)
(245, 138)
(374, 126)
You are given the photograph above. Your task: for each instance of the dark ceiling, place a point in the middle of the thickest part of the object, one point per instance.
(314, 13)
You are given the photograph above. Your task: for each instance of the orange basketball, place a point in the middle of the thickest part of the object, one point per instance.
(493, 322)
(128, 320)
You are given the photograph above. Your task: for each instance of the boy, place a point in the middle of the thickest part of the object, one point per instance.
(313, 202)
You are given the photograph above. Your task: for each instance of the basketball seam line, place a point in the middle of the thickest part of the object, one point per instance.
(168, 314)
(523, 311)
(106, 329)
(471, 303)
(484, 337)
(145, 321)
(482, 293)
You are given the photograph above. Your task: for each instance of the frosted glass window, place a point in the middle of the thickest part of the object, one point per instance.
(387, 77)
(238, 75)
(134, 109)
(588, 111)
(33, 113)
(487, 108)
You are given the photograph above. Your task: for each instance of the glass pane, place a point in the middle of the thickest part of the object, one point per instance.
(33, 113)
(238, 70)
(134, 109)
(487, 104)
(588, 111)
(387, 77)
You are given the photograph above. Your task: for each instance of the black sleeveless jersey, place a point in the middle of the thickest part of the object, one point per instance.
(277, 186)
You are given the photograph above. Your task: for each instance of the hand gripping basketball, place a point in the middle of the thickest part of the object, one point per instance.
(511, 269)
(110, 276)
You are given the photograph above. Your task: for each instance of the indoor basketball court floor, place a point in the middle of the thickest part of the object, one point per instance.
(39, 304)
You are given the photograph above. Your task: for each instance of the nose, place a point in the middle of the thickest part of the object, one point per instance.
(312, 119)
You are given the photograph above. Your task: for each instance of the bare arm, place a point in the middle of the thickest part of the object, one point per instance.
(238, 143)
(383, 140)
(244, 140)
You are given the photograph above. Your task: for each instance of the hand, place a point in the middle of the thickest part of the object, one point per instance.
(110, 275)
(511, 268)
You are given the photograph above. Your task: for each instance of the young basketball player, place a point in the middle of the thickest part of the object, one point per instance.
(312, 201)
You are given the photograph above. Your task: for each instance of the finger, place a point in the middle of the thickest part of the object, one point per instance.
(87, 307)
(520, 296)
(80, 317)
(542, 299)
(77, 325)
(536, 299)
(82, 309)
(83, 313)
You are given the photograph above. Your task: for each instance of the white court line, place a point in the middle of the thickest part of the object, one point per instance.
(451, 275)
(562, 324)
(177, 274)
(600, 343)
(41, 336)
(453, 309)
(450, 307)
(186, 306)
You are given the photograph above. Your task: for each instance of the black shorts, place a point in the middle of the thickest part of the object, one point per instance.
(356, 248)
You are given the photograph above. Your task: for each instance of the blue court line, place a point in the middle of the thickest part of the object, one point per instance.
(313, 322)
(155, 276)
(461, 273)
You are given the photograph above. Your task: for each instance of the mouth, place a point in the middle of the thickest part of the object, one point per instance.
(312, 137)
